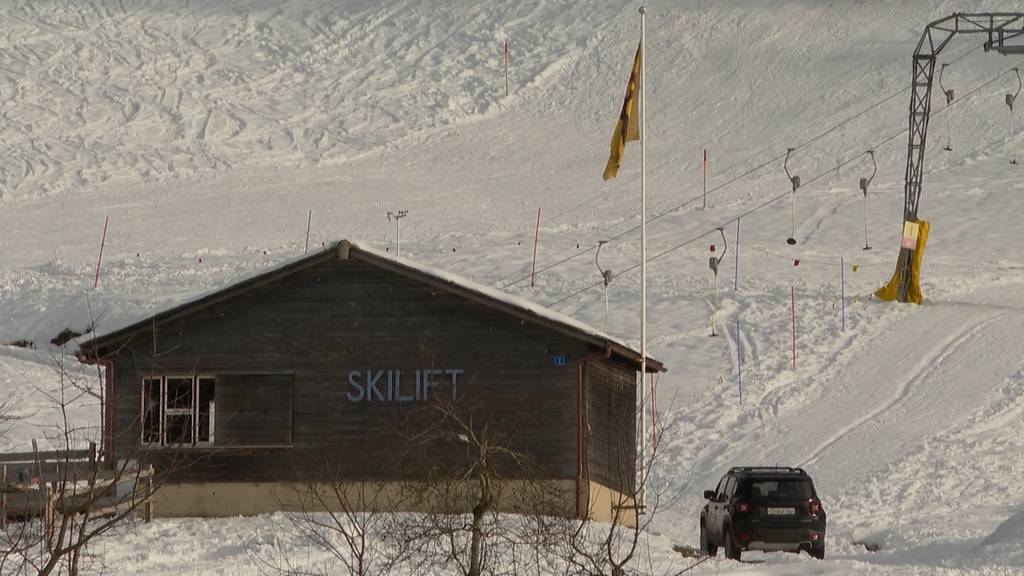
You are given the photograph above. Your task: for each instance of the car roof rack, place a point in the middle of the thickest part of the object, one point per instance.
(767, 470)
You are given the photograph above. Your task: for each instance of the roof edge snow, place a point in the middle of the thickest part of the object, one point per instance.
(93, 345)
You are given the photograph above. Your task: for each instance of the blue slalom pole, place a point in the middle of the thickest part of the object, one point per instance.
(739, 361)
(736, 267)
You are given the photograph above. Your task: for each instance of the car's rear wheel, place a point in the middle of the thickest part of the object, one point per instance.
(732, 551)
(818, 552)
(706, 547)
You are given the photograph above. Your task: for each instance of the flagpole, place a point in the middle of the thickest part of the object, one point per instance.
(643, 261)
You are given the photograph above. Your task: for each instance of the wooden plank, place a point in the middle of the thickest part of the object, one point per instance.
(22, 457)
(611, 412)
(254, 409)
(52, 471)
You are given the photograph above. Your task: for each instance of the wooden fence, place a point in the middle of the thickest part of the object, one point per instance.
(44, 484)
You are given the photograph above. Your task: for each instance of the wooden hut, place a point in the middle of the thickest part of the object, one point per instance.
(311, 371)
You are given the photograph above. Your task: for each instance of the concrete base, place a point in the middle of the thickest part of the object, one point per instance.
(549, 497)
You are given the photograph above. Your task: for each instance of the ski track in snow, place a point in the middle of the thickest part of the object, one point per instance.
(927, 366)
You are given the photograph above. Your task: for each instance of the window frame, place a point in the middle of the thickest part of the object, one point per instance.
(164, 411)
(730, 488)
(720, 489)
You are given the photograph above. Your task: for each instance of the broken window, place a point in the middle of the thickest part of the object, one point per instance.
(254, 410)
(178, 410)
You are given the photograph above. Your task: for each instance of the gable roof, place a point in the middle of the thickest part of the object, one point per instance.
(96, 345)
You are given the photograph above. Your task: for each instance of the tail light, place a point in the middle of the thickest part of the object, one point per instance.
(742, 507)
(815, 507)
(744, 536)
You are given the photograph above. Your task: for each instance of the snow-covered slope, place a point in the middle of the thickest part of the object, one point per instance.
(206, 132)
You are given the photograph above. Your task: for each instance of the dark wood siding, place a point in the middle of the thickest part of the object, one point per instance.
(253, 410)
(611, 415)
(334, 317)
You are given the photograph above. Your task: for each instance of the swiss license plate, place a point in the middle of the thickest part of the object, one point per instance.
(780, 511)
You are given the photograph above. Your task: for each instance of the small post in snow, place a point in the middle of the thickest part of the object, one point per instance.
(103, 241)
(506, 67)
(792, 302)
(842, 294)
(705, 179)
(536, 239)
(713, 262)
(736, 267)
(739, 361)
(309, 221)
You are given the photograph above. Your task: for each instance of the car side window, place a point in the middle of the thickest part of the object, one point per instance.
(730, 487)
(737, 488)
(720, 490)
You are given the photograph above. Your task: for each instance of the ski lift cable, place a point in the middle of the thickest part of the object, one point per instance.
(778, 197)
(823, 134)
(636, 227)
(737, 178)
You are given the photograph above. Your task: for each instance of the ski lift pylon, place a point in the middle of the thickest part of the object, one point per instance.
(864, 184)
(795, 180)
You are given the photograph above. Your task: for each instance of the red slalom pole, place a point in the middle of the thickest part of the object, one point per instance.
(792, 300)
(506, 67)
(536, 239)
(705, 178)
(103, 241)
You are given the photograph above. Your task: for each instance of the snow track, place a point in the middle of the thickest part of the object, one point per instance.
(870, 386)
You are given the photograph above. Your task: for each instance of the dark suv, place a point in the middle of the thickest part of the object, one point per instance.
(763, 509)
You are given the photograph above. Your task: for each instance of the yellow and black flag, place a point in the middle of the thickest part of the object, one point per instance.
(628, 126)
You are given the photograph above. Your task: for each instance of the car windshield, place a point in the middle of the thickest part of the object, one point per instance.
(779, 489)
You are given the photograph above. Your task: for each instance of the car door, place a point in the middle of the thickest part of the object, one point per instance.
(717, 509)
(726, 500)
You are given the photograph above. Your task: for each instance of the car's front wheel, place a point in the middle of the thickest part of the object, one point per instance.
(732, 551)
(706, 547)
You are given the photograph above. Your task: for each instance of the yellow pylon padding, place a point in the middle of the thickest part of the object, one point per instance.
(891, 291)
